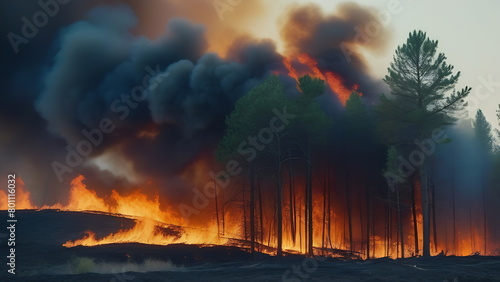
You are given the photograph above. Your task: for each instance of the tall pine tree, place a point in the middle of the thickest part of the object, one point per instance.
(423, 98)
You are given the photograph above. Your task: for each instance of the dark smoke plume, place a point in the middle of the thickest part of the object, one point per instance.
(83, 65)
(336, 41)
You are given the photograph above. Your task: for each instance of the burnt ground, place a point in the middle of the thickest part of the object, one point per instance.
(41, 257)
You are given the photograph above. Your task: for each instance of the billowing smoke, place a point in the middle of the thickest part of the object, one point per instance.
(138, 104)
(169, 89)
(336, 41)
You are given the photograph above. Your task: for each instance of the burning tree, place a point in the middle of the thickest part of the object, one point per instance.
(420, 81)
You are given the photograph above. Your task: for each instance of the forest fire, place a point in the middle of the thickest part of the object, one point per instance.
(136, 131)
(159, 225)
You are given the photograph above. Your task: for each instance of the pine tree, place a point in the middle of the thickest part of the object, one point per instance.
(424, 99)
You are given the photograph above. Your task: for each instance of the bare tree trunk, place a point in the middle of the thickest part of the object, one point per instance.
(388, 223)
(425, 210)
(434, 225)
(300, 229)
(261, 216)
(279, 206)
(329, 210)
(292, 200)
(361, 225)
(471, 226)
(414, 212)
(368, 220)
(349, 213)
(485, 231)
(309, 202)
(216, 207)
(252, 208)
(454, 211)
(400, 224)
(306, 215)
(223, 217)
(324, 215)
(245, 222)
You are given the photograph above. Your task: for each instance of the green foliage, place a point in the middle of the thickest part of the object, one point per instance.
(482, 130)
(421, 76)
(422, 84)
(311, 118)
(251, 113)
(358, 125)
(254, 111)
(392, 161)
(356, 114)
(311, 87)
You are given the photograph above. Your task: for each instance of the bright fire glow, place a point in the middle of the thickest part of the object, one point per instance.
(333, 80)
(22, 200)
(154, 224)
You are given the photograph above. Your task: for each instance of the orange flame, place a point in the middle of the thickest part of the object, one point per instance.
(333, 80)
(147, 231)
(149, 218)
(152, 222)
(22, 197)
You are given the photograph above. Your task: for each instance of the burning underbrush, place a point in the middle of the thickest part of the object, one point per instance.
(151, 223)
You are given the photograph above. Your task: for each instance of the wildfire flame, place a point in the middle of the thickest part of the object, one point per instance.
(22, 200)
(333, 80)
(147, 212)
(151, 221)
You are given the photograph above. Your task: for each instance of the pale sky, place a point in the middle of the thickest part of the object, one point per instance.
(468, 34)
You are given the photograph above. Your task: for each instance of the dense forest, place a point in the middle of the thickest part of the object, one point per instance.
(409, 174)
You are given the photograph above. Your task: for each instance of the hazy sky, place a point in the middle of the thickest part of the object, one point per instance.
(467, 32)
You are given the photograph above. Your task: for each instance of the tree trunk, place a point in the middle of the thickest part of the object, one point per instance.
(471, 227)
(361, 225)
(425, 210)
(414, 212)
(223, 217)
(292, 200)
(279, 200)
(300, 229)
(434, 224)
(485, 231)
(245, 221)
(400, 224)
(349, 217)
(309, 210)
(252, 208)
(389, 222)
(216, 207)
(329, 210)
(261, 216)
(368, 220)
(324, 216)
(454, 211)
